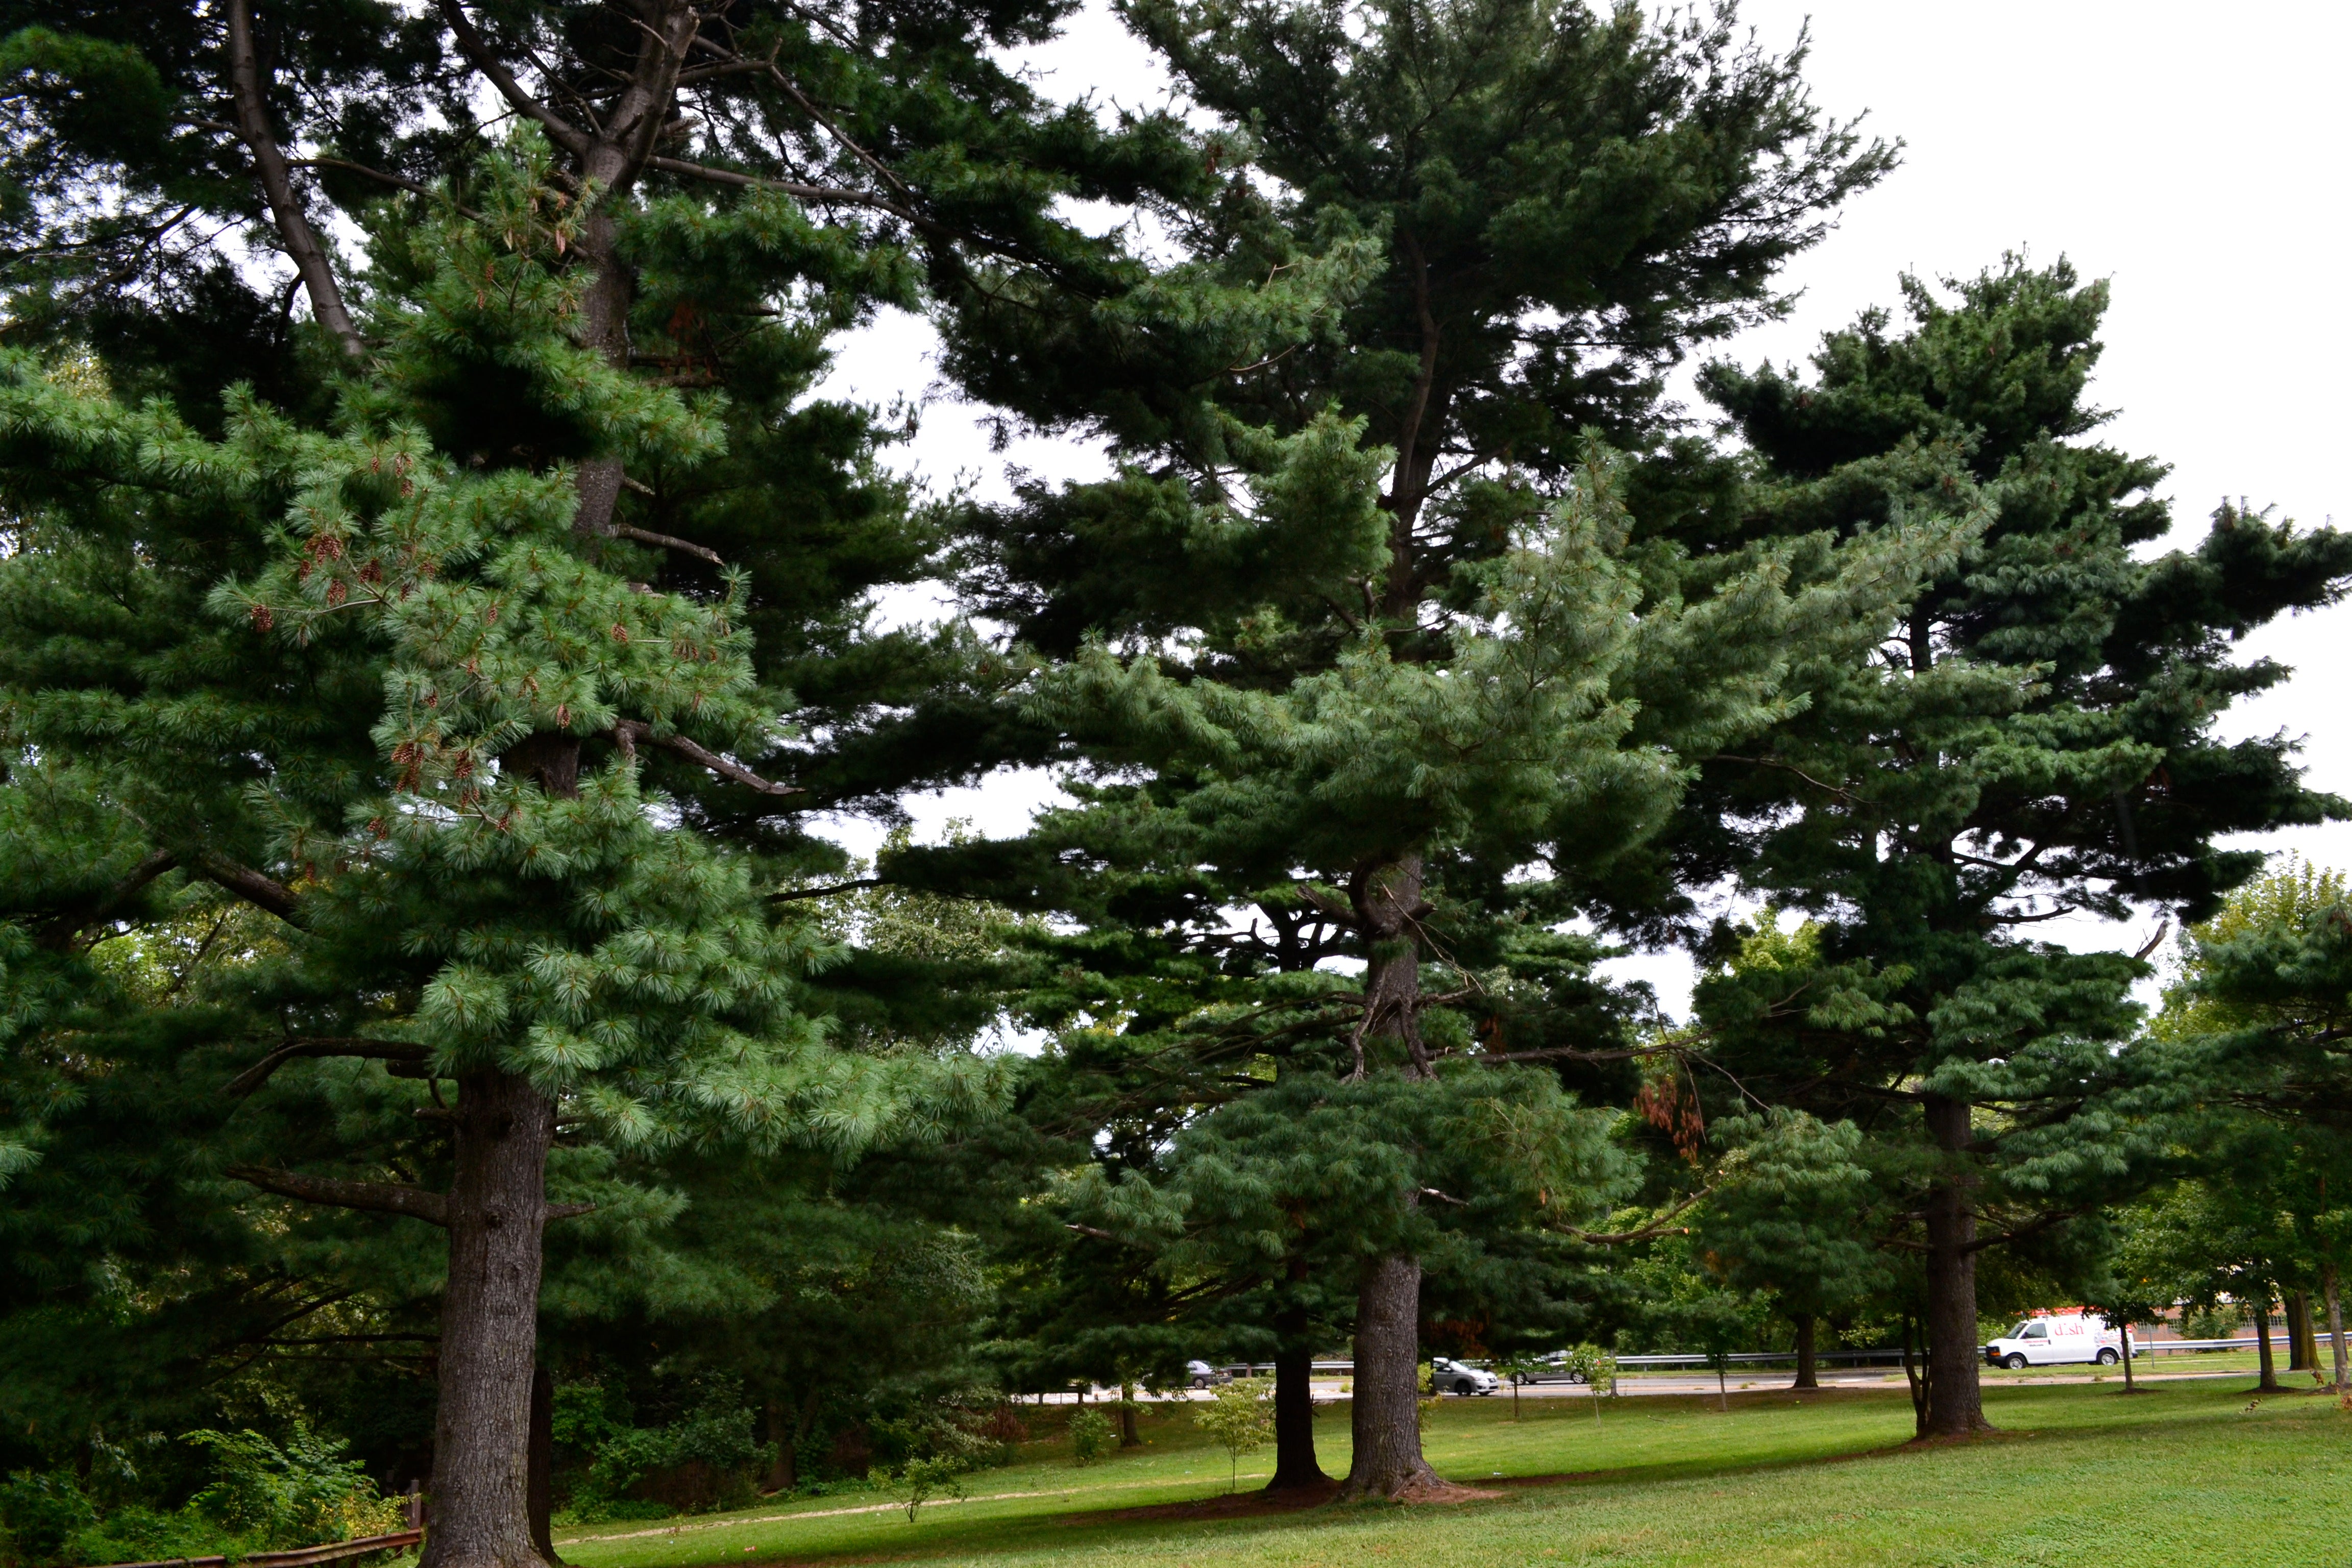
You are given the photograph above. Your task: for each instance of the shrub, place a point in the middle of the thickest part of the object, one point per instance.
(1092, 1436)
(300, 1495)
(920, 1480)
(43, 1510)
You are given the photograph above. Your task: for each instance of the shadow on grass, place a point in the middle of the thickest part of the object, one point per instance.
(1230, 1519)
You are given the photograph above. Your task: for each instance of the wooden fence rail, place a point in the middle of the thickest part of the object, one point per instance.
(300, 1557)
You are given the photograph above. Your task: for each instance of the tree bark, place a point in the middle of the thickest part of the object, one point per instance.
(542, 1462)
(2269, 1383)
(1386, 1416)
(1954, 1398)
(1129, 1438)
(1386, 897)
(780, 1477)
(2303, 1329)
(2336, 1326)
(1807, 1373)
(250, 86)
(2125, 1328)
(1295, 1465)
(489, 1327)
(1915, 1377)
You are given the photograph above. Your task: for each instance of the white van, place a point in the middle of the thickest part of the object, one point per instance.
(2053, 1338)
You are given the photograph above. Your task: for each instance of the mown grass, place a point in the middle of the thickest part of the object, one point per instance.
(2182, 1473)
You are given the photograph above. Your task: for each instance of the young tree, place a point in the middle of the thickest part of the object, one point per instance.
(1798, 1223)
(2034, 736)
(1240, 1416)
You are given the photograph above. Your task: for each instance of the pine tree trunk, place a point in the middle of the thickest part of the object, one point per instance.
(542, 1462)
(1295, 1465)
(481, 1512)
(2336, 1326)
(1914, 1378)
(780, 1477)
(1807, 1373)
(1386, 1418)
(1386, 1414)
(2269, 1383)
(2303, 1350)
(1129, 1438)
(1954, 1398)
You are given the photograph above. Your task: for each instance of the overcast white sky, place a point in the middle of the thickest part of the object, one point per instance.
(2195, 154)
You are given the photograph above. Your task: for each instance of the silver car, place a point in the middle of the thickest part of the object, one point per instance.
(1446, 1376)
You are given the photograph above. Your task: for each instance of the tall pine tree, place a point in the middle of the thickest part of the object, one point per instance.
(2032, 737)
(1365, 608)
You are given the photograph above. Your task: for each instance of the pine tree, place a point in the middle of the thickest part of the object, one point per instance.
(1364, 606)
(486, 729)
(2032, 737)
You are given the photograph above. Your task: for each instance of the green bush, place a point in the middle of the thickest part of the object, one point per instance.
(1092, 1436)
(718, 1433)
(42, 1512)
(299, 1495)
(2216, 1323)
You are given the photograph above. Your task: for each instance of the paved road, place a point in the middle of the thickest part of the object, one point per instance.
(1634, 1383)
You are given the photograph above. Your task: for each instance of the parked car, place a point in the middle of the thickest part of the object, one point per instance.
(2057, 1339)
(1203, 1375)
(1452, 1377)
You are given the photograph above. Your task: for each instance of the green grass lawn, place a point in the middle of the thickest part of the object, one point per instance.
(2181, 1474)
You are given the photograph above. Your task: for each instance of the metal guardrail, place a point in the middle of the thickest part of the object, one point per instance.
(1891, 1356)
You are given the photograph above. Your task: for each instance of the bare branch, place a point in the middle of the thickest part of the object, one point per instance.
(59, 932)
(254, 1076)
(294, 231)
(825, 892)
(484, 59)
(380, 1197)
(249, 884)
(666, 540)
(629, 732)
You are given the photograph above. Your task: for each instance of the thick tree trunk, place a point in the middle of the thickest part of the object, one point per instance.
(480, 1511)
(542, 1462)
(1954, 1398)
(1807, 1373)
(1295, 1467)
(2269, 1382)
(2336, 1327)
(1386, 1414)
(1915, 1376)
(2302, 1347)
(1386, 1417)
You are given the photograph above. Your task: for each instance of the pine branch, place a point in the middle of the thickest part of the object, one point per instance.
(666, 540)
(249, 884)
(59, 932)
(294, 231)
(1661, 1226)
(478, 51)
(629, 732)
(400, 182)
(380, 1197)
(254, 1076)
(825, 892)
